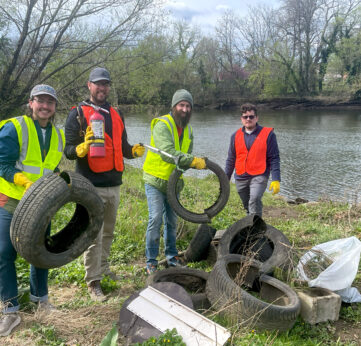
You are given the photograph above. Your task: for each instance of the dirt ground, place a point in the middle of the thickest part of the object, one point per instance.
(76, 326)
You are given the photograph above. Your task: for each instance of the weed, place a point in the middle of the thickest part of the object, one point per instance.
(170, 337)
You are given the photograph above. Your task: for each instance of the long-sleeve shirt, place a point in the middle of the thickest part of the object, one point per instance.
(10, 153)
(73, 139)
(163, 140)
(272, 155)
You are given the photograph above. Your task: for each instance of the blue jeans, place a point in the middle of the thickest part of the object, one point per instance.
(251, 192)
(8, 279)
(159, 211)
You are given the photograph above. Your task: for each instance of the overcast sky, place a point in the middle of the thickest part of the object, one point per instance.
(205, 13)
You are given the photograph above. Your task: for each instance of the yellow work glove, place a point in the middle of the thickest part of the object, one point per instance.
(275, 186)
(22, 180)
(138, 150)
(83, 148)
(198, 163)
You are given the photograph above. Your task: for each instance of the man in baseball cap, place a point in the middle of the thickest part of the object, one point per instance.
(43, 89)
(98, 74)
(23, 163)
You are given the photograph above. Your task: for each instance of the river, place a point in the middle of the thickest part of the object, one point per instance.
(319, 149)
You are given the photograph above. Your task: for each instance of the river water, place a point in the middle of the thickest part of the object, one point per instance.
(319, 149)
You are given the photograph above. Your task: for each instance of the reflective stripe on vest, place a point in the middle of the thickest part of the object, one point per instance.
(30, 161)
(154, 165)
(113, 146)
(253, 161)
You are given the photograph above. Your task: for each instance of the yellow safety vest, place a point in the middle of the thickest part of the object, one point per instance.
(30, 162)
(154, 165)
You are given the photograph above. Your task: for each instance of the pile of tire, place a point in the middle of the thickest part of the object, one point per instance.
(240, 285)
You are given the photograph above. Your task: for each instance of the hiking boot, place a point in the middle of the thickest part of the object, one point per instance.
(151, 268)
(176, 262)
(96, 292)
(8, 322)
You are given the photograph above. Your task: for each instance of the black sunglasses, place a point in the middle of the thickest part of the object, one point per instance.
(248, 117)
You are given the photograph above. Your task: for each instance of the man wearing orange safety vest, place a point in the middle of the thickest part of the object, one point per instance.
(104, 172)
(253, 153)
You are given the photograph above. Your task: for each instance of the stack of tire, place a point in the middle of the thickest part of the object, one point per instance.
(240, 285)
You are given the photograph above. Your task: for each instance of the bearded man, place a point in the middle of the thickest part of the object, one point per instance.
(170, 133)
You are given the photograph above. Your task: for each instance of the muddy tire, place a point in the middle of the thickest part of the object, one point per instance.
(208, 213)
(198, 247)
(276, 305)
(192, 280)
(36, 209)
(252, 237)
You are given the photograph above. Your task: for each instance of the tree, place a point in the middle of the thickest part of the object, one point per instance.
(49, 36)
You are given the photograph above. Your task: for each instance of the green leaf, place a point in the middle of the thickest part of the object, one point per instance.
(111, 338)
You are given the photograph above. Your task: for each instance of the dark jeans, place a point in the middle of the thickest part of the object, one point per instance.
(8, 279)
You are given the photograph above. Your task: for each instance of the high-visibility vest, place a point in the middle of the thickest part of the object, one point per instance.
(30, 161)
(253, 161)
(113, 158)
(154, 165)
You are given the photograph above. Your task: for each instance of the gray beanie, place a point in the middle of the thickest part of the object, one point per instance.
(182, 95)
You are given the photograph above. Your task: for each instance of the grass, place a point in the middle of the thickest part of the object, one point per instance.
(83, 322)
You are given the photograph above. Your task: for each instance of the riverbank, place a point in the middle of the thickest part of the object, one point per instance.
(79, 321)
(272, 103)
(291, 103)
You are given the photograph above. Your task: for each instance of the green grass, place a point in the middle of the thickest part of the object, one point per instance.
(305, 225)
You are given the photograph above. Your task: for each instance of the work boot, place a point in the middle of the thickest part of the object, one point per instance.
(96, 292)
(8, 322)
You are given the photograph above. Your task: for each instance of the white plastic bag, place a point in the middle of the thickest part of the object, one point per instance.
(345, 257)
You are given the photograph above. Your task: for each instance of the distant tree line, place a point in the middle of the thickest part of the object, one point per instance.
(301, 48)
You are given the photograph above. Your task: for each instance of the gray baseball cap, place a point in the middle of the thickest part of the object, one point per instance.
(99, 73)
(43, 89)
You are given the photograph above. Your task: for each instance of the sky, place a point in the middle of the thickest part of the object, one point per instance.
(205, 13)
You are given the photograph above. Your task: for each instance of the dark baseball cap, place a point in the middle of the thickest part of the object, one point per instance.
(43, 89)
(99, 73)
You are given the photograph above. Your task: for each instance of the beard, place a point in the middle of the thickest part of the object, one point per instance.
(181, 118)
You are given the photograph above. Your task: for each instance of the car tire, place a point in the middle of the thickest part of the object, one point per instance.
(208, 213)
(192, 280)
(277, 306)
(198, 247)
(36, 209)
(252, 237)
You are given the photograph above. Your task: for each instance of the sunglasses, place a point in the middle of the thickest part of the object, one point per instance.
(250, 117)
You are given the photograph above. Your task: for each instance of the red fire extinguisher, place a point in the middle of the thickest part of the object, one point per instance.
(97, 124)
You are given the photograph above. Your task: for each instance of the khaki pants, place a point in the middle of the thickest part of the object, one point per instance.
(96, 256)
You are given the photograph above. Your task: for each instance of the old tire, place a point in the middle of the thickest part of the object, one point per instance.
(36, 209)
(208, 213)
(252, 237)
(276, 308)
(193, 280)
(198, 247)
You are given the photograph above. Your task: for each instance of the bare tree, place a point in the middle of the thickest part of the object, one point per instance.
(65, 31)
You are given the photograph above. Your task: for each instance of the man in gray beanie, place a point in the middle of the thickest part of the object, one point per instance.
(173, 134)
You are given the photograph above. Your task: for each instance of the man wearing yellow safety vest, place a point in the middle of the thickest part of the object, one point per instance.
(253, 154)
(170, 133)
(30, 147)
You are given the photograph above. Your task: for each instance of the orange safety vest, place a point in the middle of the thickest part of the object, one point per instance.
(113, 146)
(253, 161)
